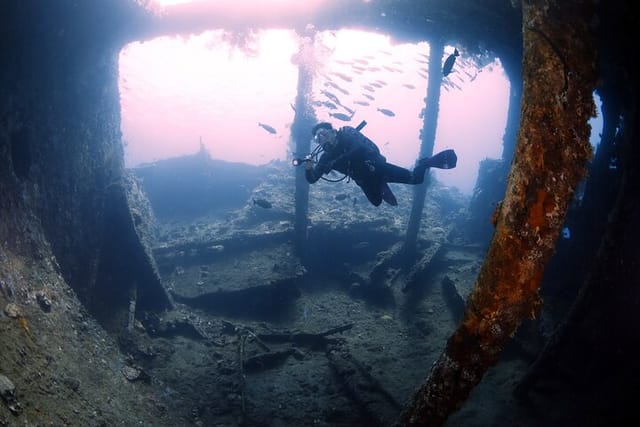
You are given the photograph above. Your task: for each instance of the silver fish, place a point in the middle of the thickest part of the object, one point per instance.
(331, 96)
(268, 128)
(386, 112)
(342, 76)
(341, 116)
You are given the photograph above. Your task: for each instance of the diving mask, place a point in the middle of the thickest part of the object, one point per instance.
(325, 136)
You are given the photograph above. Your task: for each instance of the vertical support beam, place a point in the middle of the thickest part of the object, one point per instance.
(427, 141)
(303, 121)
(550, 159)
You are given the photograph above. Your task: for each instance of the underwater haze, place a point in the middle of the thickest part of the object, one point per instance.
(178, 92)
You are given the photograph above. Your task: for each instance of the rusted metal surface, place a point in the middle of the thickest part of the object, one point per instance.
(551, 156)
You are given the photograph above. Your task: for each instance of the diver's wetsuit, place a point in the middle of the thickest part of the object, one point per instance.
(358, 157)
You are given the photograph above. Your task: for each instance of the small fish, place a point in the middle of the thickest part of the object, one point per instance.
(409, 86)
(268, 128)
(342, 76)
(448, 64)
(376, 84)
(263, 203)
(331, 84)
(369, 97)
(330, 105)
(369, 88)
(342, 91)
(349, 110)
(449, 84)
(392, 69)
(341, 196)
(365, 103)
(341, 116)
(336, 87)
(386, 112)
(331, 97)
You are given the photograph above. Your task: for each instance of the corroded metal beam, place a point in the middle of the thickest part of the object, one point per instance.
(551, 156)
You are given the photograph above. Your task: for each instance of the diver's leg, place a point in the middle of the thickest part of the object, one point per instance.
(397, 174)
(373, 191)
(446, 159)
(387, 194)
(418, 172)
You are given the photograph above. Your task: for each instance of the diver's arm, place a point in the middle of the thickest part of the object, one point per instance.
(313, 173)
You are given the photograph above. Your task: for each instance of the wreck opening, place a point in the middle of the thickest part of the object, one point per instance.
(74, 236)
(223, 86)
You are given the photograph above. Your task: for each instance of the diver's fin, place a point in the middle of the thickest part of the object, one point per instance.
(446, 159)
(387, 195)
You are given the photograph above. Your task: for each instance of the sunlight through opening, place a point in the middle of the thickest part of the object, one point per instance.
(178, 92)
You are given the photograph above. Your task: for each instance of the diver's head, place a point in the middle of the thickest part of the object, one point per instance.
(324, 135)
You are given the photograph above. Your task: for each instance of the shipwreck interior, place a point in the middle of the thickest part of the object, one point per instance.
(468, 311)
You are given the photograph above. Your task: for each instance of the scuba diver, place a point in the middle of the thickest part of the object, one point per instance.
(348, 151)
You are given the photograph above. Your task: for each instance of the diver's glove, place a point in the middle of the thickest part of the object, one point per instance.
(308, 164)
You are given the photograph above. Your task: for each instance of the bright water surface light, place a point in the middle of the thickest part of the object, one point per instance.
(179, 91)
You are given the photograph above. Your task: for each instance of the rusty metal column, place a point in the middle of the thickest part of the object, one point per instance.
(550, 159)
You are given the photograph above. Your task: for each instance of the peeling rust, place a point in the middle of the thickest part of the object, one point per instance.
(550, 159)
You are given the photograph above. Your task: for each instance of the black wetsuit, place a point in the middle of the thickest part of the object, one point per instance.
(358, 157)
